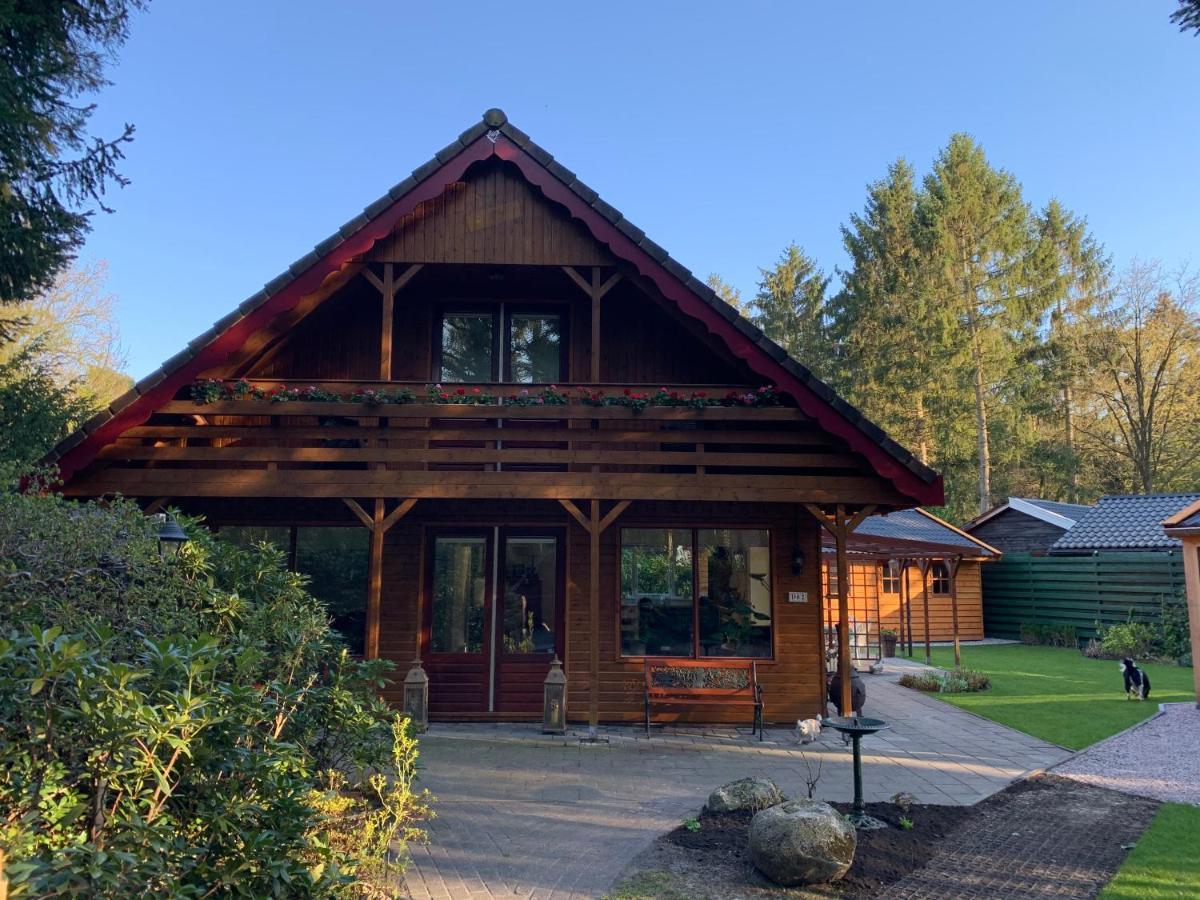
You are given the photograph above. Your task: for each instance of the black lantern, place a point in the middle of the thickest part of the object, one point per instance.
(170, 536)
(797, 562)
(554, 700)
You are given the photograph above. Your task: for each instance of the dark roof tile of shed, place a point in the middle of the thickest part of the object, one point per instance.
(1125, 522)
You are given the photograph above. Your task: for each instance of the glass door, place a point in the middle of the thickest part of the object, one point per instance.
(530, 616)
(458, 621)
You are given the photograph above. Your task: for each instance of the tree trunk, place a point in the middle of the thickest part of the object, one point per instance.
(983, 445)
(1069, 436)
(922, 431)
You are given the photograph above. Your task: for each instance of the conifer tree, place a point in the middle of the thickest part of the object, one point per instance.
(790, 309)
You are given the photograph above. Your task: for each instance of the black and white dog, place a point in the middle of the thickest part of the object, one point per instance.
(1137, 682)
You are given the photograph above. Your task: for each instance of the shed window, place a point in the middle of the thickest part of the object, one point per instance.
(891, 576)
(695, 592)
(941, 578)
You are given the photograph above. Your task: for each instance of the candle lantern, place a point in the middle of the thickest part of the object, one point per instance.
(554, 700)
(416, 696)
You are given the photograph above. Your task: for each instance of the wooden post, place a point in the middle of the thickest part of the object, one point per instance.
(907, 600)
(385, 324)
(374, 582)
(952, 567)
(925, 565)
(594, 614)
(595, 352)
(378, 524)
(594, 525)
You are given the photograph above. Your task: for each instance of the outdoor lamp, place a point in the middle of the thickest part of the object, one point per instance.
(170, 536)
(554, 699)
(416, 696)
(797, 561)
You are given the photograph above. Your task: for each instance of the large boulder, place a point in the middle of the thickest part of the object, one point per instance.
(745, 793)
(802, 842)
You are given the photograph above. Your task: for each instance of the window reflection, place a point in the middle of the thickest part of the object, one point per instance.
(535, 348)
(467, 347)
(459, 589)
(530, 600)
(656, 592)
(734, 567)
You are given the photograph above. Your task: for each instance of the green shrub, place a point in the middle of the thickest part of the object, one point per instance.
(1135, 640)
(184, 729)
(955, 681)
(1050, 635)
(1176, 637)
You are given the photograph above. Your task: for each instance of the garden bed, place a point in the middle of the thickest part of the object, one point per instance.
(714, 860)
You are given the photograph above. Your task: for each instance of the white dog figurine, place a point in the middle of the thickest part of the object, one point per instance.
(808, 730)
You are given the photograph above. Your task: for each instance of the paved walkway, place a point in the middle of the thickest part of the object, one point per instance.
(522, 815)
(1154, 759)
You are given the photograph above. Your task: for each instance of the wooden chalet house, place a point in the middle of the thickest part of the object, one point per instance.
(498, 423)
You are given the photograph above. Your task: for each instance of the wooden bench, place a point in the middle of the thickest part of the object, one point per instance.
(704, 682)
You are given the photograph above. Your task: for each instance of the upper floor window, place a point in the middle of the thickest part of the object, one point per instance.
(941, 578)
(502, 344)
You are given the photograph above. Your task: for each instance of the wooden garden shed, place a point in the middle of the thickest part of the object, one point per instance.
(498, 424)
(911, 573)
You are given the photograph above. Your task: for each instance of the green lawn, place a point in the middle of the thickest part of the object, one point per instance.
(1164, 863)
(1059, 695)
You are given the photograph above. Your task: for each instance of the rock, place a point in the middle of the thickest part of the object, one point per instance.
(802, 842)
(745, 793)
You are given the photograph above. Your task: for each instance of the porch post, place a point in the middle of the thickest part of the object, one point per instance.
(378, 524)
(594, 615)
(843, 567)
(905, 565)
(925, 565)
(952, 566)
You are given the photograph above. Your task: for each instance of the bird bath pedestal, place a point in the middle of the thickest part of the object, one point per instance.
(856, 728)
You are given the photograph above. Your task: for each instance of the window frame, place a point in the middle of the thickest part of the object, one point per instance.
(695, 539)
(886, 576)
(502, 314)
(940, 572)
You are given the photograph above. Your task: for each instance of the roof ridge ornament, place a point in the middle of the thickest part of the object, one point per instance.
(494, 119)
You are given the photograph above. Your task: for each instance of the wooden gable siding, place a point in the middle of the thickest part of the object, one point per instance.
(793, 682)
(493, 216)
(1014, 532)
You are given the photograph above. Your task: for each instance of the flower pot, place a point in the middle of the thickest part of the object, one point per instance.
(888, 641)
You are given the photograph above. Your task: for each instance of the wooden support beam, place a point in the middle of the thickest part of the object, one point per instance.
(925, 565)
(359, 512)
(576, 514)
(156, 505)
(859, 517)
(578, 279)
(952, 567)
(843, 567)
(374, 582)
(398, 513)
(385, 324)
(609, 285)
(613, 513)
(595, 349)
(594, 614)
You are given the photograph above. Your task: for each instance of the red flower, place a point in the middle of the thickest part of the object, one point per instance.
(460, 391)
(444, 396)
(701, 393)
(628, 393)
(674, 395)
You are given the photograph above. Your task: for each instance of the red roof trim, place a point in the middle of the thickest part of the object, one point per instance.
(217, 350)
(739, 344)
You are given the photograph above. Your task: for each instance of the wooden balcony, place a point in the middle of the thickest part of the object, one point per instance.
(264, 448)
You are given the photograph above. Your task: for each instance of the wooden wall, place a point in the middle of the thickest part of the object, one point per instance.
(1014, 532)
(866, 587)
(493, 216)
(793, 681)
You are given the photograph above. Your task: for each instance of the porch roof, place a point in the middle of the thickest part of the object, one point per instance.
(911, 534)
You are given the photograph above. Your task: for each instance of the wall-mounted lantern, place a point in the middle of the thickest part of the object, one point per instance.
(554, 699)
(170, 536)
(416, 696)
(797, 562)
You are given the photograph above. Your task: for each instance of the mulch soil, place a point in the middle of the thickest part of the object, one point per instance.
(1046, 836)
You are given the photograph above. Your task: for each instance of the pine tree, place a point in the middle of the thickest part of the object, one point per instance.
(790, 309)
(983, 277)
(726, 292)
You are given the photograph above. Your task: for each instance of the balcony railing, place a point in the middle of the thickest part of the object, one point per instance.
(589, 440)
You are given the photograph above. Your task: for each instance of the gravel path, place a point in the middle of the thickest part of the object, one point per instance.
(1157, 759)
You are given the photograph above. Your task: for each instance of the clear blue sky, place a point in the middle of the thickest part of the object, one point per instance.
(725, 130)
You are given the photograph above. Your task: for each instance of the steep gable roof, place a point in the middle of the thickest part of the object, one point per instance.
(1052, 512)
(1125, 522)
(495, 136)
(1186, 520)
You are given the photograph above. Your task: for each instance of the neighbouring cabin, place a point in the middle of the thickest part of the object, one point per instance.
(911, 573)
(1025, 525)
(496, 424)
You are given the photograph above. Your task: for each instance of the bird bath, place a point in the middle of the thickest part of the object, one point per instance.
(856, 728)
